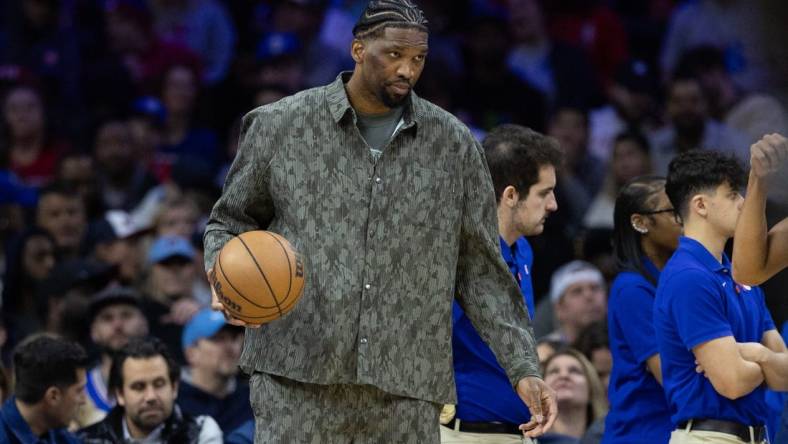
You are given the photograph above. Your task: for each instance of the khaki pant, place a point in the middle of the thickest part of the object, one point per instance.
(450, 436)
(681, 436)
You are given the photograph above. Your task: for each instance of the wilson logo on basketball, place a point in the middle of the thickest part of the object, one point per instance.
(299, 267)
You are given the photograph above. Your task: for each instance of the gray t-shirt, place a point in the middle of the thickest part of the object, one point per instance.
(378, 129)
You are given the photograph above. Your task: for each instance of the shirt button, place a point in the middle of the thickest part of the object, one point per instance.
(378, 180)
(363, 340)
(367, 286)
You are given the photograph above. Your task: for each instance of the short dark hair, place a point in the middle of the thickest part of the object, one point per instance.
(637, 196)
(141, 348)
(515, 154)
(45, 361)
(700, 170)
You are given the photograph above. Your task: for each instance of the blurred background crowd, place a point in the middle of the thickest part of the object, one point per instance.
(120, 119)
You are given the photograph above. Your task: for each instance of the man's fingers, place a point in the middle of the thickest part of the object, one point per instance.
(552, 410)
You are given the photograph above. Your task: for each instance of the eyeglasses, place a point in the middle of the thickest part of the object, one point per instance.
(648, 213)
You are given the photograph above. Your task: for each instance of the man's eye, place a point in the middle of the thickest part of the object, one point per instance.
(393, 54)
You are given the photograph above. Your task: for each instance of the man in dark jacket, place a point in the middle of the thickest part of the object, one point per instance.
(144, 379)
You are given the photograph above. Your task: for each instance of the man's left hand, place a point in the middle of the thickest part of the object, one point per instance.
(540, 399)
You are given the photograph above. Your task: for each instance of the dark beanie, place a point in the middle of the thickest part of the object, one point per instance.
(381, 13)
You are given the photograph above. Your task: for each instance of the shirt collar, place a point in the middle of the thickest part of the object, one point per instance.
(519, 248)
(339, 105)
(703, 255)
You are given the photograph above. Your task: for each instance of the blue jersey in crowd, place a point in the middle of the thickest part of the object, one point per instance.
(484, 392)
(14, 429)
(638, 408)
(697, 301)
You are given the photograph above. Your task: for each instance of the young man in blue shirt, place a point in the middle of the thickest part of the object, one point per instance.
(522, 164)
(717, 341)
(48, 391)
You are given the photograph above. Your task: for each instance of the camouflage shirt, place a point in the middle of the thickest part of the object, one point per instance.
(386, 245)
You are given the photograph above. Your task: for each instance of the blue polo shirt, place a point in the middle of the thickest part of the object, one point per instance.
(14, 429)
(697, 301)
(638, 408)
(484, 393)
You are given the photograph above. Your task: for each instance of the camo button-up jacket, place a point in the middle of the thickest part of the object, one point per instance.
(386, 245)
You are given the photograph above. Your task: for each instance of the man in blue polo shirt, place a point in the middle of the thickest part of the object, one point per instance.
(48, 391)
(716, 339)
(522, 163)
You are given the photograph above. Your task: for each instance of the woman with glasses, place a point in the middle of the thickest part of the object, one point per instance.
(645, 235)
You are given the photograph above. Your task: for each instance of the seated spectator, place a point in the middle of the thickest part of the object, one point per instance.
(691, 127)
(61, 212)
(580, 396)
(33, 153)
(632, 106)
(577, 292)
(593, 343)
(560, 72)
(114, 240)
(77, 170)
(31, 257)
(121, 176)
(582, 174)
(49, 388)
(168, 303)
(181, 135)
(115, 318)
(630, 159)
(209, 385)
(144, 379)
(65, 296)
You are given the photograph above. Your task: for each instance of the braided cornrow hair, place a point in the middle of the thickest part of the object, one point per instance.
(394, 13)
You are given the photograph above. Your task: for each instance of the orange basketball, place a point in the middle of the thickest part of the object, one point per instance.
(258, 276)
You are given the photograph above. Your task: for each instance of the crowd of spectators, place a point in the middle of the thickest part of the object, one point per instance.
(120, 118)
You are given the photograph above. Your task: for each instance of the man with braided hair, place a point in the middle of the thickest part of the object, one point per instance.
(389, 200)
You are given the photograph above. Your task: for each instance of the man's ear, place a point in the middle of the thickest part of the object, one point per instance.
(119, 398)
(510, 197)
(357, 49)
(52, 395)
(699, 205)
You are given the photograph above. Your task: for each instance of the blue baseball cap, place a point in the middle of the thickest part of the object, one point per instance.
(204, 324)
(166, 247)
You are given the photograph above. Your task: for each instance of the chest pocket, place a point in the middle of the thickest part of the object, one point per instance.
(429, 198)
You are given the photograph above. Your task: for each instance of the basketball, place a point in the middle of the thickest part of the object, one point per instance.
(258, 276)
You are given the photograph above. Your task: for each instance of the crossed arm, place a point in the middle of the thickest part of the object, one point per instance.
(736, 369)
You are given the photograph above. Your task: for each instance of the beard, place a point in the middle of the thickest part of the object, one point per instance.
(390, 100)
